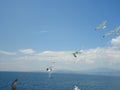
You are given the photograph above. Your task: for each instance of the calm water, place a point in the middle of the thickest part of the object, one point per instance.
(40, 81)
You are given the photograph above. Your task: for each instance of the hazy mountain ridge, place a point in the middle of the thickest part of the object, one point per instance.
(97, 71)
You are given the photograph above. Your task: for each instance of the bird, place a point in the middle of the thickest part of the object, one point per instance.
(14, 83)
(102, 25)
(49, 69)
(75, 53)
(115, 31)
(76, 88)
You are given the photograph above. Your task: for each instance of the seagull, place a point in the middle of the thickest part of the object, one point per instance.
(75, 53)
(76, 88)
(115, 31)
(14, 84)
(102, 25)
(49, 69)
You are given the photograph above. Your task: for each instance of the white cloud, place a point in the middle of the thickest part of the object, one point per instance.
(96, 57)
(7, 53)
(27, 51)
(49, 55)
(90, 58)
(116, 41)
(104, 55)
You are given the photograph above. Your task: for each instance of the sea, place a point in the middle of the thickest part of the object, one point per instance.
(58, 81)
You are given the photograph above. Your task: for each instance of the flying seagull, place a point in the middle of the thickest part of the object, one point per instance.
(76, 88)
(115, 31)
(14, 84)
(102, 25)
(49, 70)
(75, 53)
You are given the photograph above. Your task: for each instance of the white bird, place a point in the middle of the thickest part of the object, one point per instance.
(76, 88)
(102, 25)
(115, 31)
(49, 69)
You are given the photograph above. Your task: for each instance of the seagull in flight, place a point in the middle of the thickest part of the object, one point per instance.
(115, 31)
(49, 70)
(75, 53)
(102, 25)
(76, 88)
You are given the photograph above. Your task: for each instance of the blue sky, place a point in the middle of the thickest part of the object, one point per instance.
(35, 33)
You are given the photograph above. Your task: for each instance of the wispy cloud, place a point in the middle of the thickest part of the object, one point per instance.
(27, 51)
(49, 55)
(7, 52)
(43, 31)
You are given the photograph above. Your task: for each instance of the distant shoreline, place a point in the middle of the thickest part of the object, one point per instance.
(73, 73)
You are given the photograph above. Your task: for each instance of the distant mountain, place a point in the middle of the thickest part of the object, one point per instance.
(64, 71)
(103, 71)
(96, 71)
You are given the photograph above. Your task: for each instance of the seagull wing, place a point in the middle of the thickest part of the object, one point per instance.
(108, 33)
(74, 54)
(117, 29)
